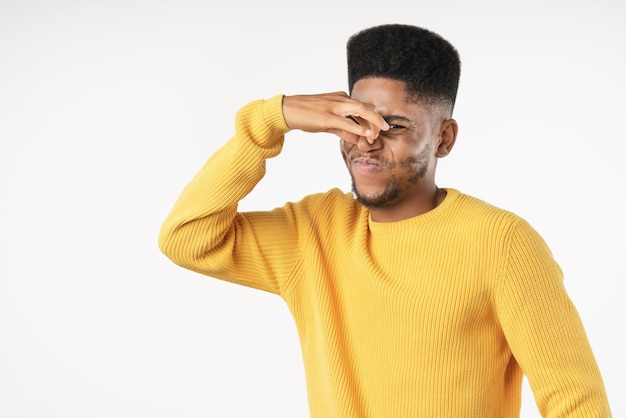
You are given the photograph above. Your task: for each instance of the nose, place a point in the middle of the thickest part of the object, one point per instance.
(365, 146)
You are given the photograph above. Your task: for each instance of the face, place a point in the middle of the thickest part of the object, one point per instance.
(397, 170)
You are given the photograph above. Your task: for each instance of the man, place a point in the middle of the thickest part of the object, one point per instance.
(410, 300)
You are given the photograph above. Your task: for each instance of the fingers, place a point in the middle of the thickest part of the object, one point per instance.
(366, 114)
(345, 135)
(333, 112)
(371, 130)
(354, 127)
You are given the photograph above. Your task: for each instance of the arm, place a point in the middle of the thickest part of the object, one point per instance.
(545, 332)
(200, 231)
(205, 233)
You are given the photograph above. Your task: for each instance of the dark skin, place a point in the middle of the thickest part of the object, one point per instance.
(391, 153)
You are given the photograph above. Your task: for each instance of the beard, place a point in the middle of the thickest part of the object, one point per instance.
(390, 194)
(418, 165)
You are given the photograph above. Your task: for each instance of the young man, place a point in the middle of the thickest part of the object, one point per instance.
(410, 300)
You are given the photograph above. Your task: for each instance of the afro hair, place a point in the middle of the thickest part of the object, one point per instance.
(428, 64)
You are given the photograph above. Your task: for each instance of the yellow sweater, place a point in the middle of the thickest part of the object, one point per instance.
(439, 315)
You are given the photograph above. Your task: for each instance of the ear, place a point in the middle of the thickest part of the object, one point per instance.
(447, 137)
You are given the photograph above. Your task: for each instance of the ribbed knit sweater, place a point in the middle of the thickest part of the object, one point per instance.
(439, 315)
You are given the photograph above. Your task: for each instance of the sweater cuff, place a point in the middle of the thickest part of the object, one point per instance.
(273, 114)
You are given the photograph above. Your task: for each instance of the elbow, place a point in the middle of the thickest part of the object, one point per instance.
(195, 246)
(183, 246)
(169, 242)
(165, 243)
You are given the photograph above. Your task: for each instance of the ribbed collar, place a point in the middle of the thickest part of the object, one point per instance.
(392, 227)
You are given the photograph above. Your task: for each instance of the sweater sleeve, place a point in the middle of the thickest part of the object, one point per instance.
(545, 332)
(205, 233)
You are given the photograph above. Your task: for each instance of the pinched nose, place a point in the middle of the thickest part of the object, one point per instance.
(364, 146)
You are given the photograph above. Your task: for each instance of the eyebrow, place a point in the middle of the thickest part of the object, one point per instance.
(397, 118)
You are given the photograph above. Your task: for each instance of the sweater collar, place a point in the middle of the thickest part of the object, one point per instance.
(390, 227)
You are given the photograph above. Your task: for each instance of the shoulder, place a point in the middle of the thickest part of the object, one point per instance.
(333, 211)
(472, 206)
(329, 204)
(492, 220)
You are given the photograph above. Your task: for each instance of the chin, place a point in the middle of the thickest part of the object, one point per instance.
(376, 200)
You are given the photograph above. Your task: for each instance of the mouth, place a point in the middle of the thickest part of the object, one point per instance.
(366, 165)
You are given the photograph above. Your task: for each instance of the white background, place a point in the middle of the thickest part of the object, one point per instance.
(107, 109)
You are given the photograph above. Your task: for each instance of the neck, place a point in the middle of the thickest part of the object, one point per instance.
(417, 205)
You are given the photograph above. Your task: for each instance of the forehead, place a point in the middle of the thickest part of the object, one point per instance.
(388, 96)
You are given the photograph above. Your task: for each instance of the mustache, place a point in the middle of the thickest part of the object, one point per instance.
(368, 158)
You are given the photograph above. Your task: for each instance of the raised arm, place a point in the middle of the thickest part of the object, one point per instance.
(203, 220)
(205, 233)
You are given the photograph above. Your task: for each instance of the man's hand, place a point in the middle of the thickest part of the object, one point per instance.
(334, 113)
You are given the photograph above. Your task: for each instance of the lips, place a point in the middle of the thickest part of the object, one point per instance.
(367, 165)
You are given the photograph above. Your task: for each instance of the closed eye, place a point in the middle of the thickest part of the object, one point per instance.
(394, 120)
(394, 130)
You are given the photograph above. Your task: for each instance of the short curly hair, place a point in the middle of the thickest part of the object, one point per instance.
(427, 63)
